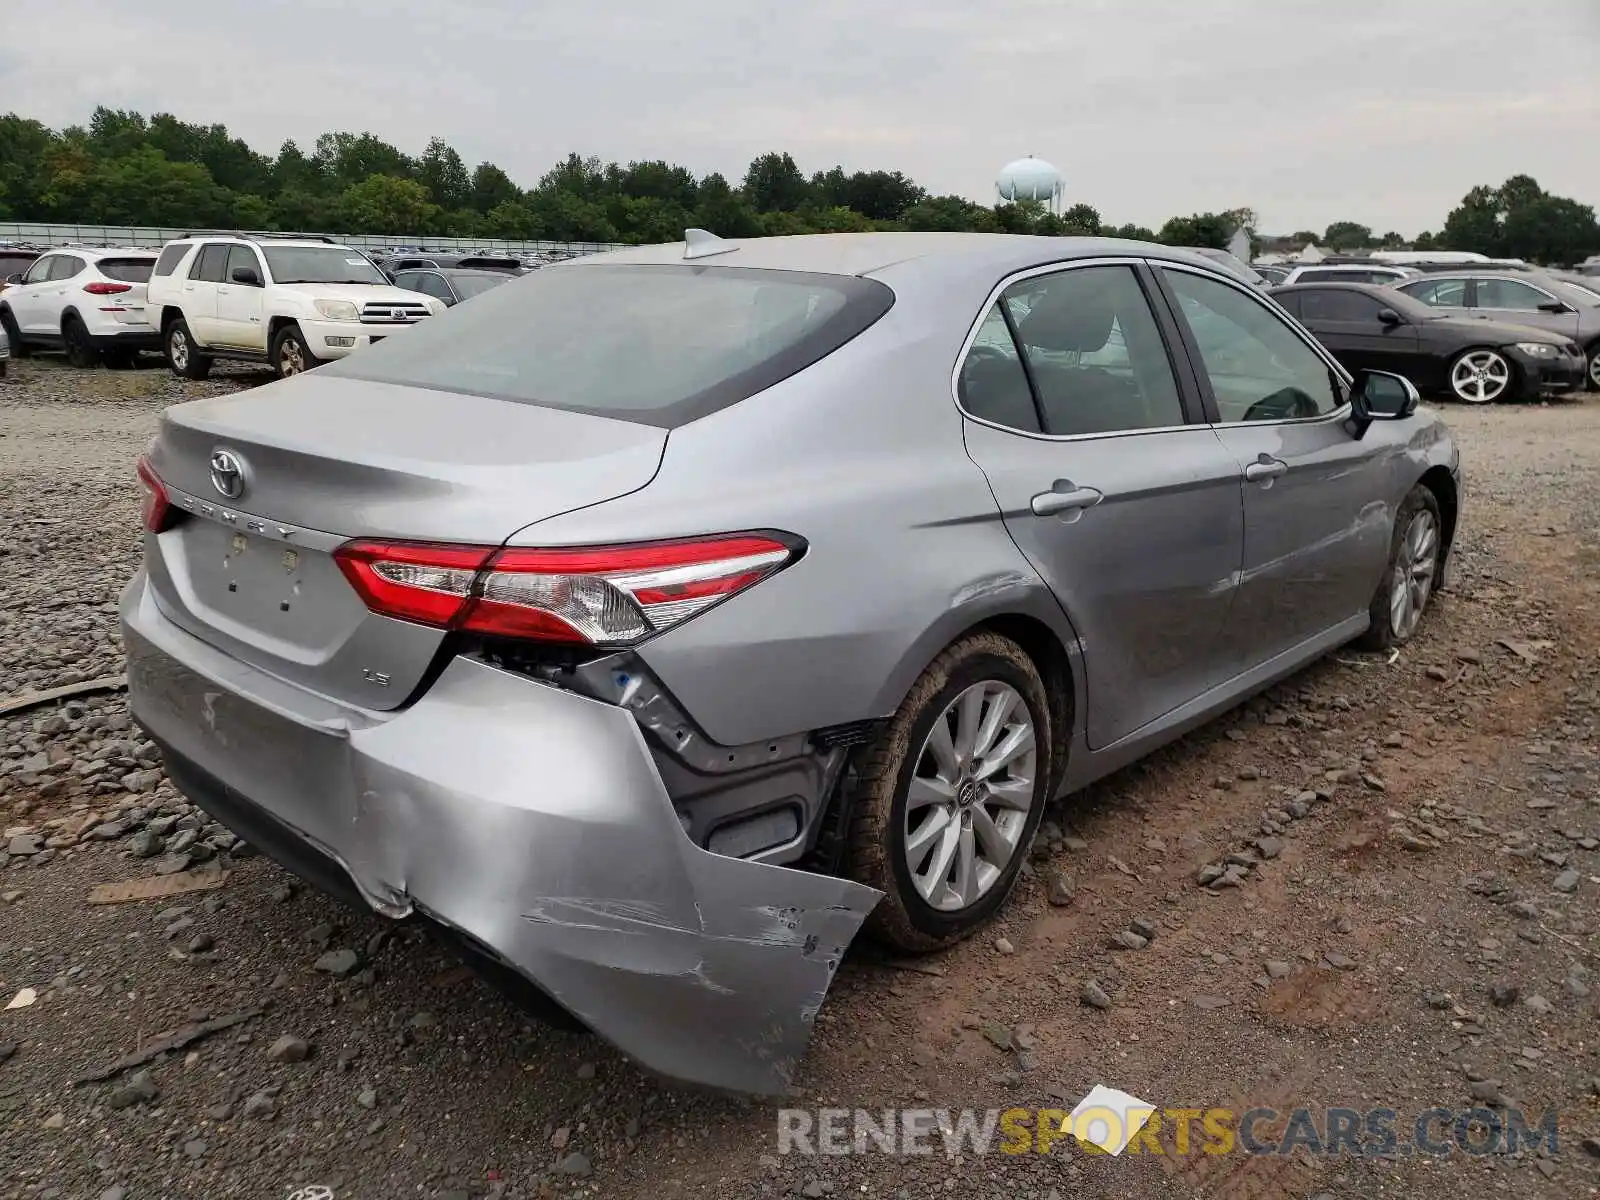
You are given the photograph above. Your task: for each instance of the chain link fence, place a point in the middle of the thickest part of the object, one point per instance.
(43, 234)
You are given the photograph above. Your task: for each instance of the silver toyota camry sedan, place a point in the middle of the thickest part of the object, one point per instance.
(655, 622)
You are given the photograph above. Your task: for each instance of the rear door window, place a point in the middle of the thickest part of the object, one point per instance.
(212, 264)
(1095, 352)
(993, 384)
(1441, 293)
(661, 345)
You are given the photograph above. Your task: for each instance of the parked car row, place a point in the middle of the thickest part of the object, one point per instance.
(293, 302)
(1369, 327)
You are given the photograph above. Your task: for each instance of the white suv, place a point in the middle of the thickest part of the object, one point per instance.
(293, 302)
(86, 300)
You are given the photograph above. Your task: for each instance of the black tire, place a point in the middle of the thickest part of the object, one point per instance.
(186, 361)
(1382, 634)
(1591, 378)
(80, 348)
(8, 322)
(875, 853)
(290, 353)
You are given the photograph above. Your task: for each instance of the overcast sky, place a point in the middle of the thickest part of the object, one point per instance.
(1381, 111)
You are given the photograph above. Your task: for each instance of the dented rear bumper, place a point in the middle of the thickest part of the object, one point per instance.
(529, 819)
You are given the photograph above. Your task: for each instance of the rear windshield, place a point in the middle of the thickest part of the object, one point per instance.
(489, 264)
(661, 345)
(128, 270)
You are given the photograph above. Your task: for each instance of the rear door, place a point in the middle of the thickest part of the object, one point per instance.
(1316, 527)
(239, 320)
(1127, 508)
(1347, 325)
(199, 301)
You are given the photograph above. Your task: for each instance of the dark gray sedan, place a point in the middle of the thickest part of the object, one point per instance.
(450, 284)
(1521, 298)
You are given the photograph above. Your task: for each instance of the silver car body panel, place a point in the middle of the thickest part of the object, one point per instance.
(698, 966)
(502, 805)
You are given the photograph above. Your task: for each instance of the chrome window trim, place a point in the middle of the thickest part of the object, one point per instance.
(1475, 277)
(1342, 413)
(1057, 268)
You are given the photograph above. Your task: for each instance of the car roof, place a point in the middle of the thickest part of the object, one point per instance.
(95, 253)
(292, 243)
(901, 255)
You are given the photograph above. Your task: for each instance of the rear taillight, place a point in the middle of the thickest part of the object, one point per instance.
(603, 596)
(99, 288)
(154, 507)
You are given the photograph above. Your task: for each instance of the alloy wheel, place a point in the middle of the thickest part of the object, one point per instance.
(1414, 568)
(969, 797)
(1480, 377)
(1594, 369)
(291, 358)
(178, 350)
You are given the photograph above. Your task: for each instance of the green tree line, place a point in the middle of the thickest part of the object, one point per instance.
(124, 168)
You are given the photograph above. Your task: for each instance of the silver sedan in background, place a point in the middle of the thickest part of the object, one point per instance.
(656, 620)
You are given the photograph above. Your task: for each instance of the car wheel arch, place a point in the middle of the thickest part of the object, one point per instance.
(1037, 624)
(1438, 480)
(70, 313)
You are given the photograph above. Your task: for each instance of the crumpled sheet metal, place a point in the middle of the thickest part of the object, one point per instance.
(533, 820)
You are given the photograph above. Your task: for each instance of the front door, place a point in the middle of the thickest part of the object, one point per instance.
(1517, 302)
(28, 298)
(1346, 323)
(239, 305)
(1127, 508)
(1316, 528)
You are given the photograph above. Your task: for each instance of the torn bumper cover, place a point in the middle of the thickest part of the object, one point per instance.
(531, 820)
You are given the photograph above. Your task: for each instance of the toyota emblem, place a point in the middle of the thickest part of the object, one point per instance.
(227, 474)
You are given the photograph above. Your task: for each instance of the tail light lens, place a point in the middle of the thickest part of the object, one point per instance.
(602, 596)
(100, 288)
(154, 507)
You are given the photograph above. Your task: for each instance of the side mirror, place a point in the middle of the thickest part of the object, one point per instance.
(248, 276)
(1389, 317)
(1382, 396)
(13, 279)
(1556, 306)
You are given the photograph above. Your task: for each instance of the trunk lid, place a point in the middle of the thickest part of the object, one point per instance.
(326, 459)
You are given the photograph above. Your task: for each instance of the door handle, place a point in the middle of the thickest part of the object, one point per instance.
(1265, 467)
(1065, 496)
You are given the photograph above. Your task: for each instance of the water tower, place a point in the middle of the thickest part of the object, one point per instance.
(1031, 179)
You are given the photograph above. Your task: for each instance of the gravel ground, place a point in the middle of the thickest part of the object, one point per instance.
(1416, 925)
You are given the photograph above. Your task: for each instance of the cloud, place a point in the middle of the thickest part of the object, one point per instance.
(1305, 110)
